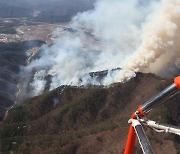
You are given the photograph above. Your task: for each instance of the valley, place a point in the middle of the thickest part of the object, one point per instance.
(60, 68)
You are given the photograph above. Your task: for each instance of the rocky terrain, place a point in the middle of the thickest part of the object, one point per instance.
(88, 120)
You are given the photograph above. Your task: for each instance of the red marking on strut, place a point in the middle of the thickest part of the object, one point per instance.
(177, 82)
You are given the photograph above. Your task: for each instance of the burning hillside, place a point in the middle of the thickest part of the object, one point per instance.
(85, 82)
(101, 39)
(92, 120)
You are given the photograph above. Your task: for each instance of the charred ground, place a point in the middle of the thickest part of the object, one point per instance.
(88, 120)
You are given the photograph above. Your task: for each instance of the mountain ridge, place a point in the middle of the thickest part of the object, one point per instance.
(87, 120)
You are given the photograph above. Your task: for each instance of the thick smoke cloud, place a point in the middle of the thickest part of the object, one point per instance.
(160, 47)
(125, 34)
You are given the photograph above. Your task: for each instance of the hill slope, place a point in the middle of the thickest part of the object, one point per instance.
(12, 55)
(88, 120)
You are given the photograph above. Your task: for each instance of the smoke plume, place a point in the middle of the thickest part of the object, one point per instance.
(160, 41)
(134, 35)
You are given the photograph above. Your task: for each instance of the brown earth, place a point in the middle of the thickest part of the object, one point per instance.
(88, 120)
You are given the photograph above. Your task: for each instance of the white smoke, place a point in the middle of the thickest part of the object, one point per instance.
(118, 33)
(38, 82)
(160, 40)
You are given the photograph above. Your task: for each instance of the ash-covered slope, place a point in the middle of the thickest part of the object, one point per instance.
(88, 120)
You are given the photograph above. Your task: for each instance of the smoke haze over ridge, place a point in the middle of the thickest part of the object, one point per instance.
(160, 40)
(126, 34)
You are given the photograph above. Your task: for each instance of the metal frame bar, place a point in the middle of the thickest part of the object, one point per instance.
(143, 140)
(144, 109)
(161, 127)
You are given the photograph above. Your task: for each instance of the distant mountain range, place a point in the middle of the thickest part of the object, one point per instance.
(49, 11)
